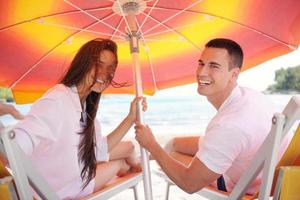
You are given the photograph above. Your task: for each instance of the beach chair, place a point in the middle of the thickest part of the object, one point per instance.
(27, 178)
(287, 175)
(265, 161)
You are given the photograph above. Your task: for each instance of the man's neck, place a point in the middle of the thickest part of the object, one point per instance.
(218, 99)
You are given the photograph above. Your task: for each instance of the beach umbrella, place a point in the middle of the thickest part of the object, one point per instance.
(164, 38)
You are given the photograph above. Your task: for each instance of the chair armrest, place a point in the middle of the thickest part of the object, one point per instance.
(116, 185)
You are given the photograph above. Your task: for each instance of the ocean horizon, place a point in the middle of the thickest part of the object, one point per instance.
(166, 114)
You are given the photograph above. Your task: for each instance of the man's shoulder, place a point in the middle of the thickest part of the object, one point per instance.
(246, 91)
(252, 100)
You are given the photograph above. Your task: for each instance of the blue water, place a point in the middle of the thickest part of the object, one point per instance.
(165, 114)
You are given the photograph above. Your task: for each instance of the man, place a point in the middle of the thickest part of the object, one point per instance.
(232, 137)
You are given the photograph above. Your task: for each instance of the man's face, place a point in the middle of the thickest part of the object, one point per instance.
(214, 74)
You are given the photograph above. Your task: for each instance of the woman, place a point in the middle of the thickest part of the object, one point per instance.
(62, 136)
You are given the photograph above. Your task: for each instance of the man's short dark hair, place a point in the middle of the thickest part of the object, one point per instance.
(233, 49)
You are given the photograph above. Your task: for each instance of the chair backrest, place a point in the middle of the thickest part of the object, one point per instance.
(26, 176)
(265, 159)
(291, 157)
(288, 184)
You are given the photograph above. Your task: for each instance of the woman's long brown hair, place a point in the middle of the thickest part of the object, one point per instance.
(84, 61)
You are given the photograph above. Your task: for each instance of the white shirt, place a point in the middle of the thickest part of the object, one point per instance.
(235, 134)
(53, 124)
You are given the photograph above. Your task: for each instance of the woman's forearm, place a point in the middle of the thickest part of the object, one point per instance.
(116, 135)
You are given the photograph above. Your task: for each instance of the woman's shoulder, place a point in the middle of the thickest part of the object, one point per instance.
(58, 91)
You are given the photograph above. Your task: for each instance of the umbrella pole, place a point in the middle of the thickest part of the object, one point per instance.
(134, 50)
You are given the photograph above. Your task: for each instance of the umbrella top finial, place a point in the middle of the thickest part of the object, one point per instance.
(126, 7)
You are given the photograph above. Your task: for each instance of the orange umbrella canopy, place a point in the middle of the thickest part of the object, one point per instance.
(39, 38)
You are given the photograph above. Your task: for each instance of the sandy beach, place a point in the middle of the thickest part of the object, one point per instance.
(159, 190)
(158, 184)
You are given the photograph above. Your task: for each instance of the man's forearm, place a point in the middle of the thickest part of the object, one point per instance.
(176, 171)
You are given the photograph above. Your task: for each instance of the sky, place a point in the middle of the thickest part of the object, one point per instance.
(259, 77)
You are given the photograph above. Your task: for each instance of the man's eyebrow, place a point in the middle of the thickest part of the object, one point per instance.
(213, 63)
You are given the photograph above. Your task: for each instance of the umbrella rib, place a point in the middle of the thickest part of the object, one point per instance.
(52, 15)
(291, 46)
(175, 31)
(81, 29)
(114, 33)
(92, 16)
(163, 40)
(147, 49)
(149, 13)
(47, 54)
(77, 29)
(166, 31)
(126, 22)
(175, 15)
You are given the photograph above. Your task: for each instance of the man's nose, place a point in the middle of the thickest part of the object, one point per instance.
(203, 70)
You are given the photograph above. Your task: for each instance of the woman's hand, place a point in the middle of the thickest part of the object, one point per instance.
(133, 107)
(115, 137)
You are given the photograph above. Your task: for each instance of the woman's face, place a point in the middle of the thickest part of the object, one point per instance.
(103, 72)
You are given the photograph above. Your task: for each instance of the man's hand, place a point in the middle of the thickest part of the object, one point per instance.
(144, 136)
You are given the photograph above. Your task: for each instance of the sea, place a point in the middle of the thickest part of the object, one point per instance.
(174, 114)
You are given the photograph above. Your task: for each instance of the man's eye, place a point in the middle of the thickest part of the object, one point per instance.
(214, 66)
(200, 64)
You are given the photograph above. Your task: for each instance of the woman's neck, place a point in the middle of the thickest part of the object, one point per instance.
(83, 92)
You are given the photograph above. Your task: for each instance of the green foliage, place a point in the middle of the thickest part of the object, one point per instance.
(286, 80)
(6, 94)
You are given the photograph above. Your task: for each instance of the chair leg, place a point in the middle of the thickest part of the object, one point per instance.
(167, 190)
(135, 192)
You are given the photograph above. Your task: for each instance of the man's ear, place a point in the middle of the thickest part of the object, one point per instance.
(235, 72)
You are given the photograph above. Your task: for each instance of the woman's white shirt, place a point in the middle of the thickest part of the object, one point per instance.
(49, 135)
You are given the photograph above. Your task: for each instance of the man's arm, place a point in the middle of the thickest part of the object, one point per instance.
(191, 178)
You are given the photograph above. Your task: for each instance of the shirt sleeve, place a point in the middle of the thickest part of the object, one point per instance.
(102, 145)
(220, 147)
(42, 123)
(25, 142)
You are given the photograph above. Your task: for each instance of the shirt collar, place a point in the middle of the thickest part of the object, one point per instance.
(235, 93)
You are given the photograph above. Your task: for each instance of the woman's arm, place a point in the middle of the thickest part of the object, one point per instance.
(42, 122)
(10, 109)
(115, 137)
